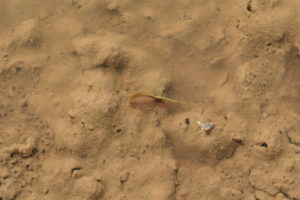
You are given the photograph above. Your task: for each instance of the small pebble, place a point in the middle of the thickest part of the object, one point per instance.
(5, 57)
(264, 115)
(264, 145)
(187, 121)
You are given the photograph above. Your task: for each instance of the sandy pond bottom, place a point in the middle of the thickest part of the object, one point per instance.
(68, 70)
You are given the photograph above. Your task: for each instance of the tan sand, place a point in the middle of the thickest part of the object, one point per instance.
(69, 67)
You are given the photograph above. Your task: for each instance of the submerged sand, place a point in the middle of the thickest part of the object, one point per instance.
(69, 67)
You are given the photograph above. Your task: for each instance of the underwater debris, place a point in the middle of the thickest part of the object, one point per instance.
(206, 126)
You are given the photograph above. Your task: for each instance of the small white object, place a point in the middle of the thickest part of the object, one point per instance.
(206, 126)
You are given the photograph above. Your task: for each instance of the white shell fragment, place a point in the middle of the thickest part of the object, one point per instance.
(206, 126)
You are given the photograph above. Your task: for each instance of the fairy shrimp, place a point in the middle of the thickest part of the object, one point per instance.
(149, 100)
